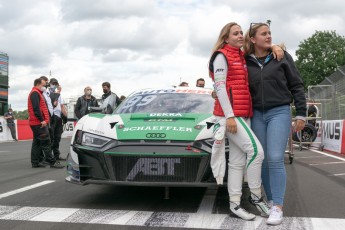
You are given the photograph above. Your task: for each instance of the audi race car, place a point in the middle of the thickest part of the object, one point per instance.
(156, 137)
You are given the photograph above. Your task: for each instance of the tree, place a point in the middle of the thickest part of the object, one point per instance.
(21, 115)
(319, 56)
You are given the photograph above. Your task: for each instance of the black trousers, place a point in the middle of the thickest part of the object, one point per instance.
(41, 143)
(56, 132)
(12, 127)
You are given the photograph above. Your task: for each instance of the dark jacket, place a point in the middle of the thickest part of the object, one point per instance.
(276, 83)
(83, 104)
(11, 119)
(109, 102)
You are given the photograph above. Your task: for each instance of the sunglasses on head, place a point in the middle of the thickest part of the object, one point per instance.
(253, 24)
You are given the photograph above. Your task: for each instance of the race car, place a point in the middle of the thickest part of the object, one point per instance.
(156, 137)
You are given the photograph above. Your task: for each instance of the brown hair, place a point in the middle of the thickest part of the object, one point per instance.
(248, 46)
(106, 84)
(37, 81)
(44, 78)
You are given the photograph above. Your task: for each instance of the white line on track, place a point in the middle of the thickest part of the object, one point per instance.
(310, 157)
(339, 174)
(327, 154)
(10, 193)
(203, 218)
(328, 163)
(158, 219)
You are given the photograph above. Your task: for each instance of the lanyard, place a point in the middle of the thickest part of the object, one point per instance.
(261, 64)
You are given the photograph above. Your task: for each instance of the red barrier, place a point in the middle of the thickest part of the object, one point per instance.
(24, 130)
(343, 139)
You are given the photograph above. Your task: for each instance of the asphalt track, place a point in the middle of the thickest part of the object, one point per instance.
(41, 199)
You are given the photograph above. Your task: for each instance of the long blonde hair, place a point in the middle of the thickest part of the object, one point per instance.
(224, 34)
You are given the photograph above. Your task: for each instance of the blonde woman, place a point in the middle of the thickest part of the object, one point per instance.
(232, 112)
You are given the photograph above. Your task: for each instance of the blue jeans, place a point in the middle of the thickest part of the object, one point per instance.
(272, 128)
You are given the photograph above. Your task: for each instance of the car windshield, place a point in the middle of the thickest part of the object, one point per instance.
(168, 101)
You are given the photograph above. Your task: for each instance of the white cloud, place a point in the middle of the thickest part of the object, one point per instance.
(138, 44)
(78, 10)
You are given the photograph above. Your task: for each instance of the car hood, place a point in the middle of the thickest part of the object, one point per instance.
(150, 126)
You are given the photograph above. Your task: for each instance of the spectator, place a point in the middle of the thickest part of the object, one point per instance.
(46, 94)
(84, 103)
(200, 83)
(313, 111)
(109, 99)
(49, 103)
(56, 118)
(39, 121)
(274, 86)
(184, 84)
(232, 113)
(122, 98)
(10, 123)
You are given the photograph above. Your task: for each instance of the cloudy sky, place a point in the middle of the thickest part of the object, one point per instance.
(137, 44)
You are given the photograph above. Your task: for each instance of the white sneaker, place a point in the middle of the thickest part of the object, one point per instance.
(260, 204)
(276, 216)
(238, 211)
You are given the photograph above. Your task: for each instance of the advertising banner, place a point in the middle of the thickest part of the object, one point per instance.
(68, 129)
(332, 135)
(5, 133)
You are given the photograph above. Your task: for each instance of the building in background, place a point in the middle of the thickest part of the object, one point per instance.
(3, 83)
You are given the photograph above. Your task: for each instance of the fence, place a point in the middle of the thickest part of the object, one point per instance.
(331, 94)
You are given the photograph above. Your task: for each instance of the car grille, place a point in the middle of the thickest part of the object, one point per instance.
(155, 169)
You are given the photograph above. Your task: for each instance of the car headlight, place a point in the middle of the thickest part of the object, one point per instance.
(94, 140)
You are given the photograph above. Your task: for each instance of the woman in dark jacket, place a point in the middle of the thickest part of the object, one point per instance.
(273, 86)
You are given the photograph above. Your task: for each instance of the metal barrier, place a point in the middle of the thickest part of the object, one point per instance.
(331, 94)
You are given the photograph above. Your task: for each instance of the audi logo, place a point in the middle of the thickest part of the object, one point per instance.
(156, 135)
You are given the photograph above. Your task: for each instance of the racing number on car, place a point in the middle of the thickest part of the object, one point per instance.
(154, 167)
(139, 101)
